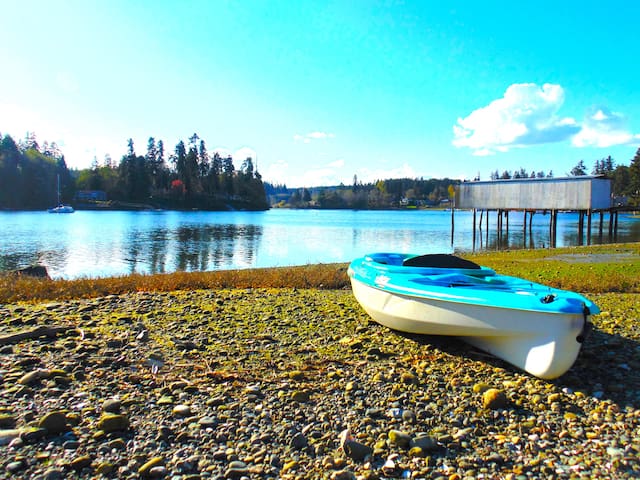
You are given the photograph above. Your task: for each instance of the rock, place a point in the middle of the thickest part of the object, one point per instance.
(296, 375)
(159, 471)
(494, 399)
(236, 469)
(54, 423)
(32, 435)
(300, 396)
(104, 468)
(208, 422)
(7, 420)
(145, 470)
(15, 467)
(401, 439)
(343, 475)
(33, 377)
(110, 422)
(481, 387)
(181, 410)
(53, 474)
(36, 271)
(416, 452)
(6, 436)
(424, 442)
(409, 378)
(290, 465)
(356, 451)
(165, 400)
(112, 405)
(71, 445)
(298, 441)
(79, 463)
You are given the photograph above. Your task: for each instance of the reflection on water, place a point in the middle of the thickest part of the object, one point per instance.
(192, 248)
(98, 244)
(537, 234)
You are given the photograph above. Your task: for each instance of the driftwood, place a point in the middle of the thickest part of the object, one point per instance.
(41, 331)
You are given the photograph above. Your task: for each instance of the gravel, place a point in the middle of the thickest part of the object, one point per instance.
(288, 384)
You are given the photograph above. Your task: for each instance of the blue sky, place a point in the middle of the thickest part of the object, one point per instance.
(318, 92)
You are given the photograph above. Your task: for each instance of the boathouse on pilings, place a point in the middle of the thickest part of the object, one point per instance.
(587, 195)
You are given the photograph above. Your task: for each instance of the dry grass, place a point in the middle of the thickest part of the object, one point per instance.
(619, 272)
(329, 276)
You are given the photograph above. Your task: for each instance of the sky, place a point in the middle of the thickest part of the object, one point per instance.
(318, 93)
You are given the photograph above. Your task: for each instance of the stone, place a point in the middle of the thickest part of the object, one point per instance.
(399, 438)
(53, 474)
(6, 436)
(356, 451)
(110, 422)
(54, 423)
(298, 441)
(494, 399)
(300, 396)
(33, 377)
(145, 470)
(112, 405)
(81, 462)
(208, 422)
(236, 469)
(181, 410)
(7, 420)
(424, 442)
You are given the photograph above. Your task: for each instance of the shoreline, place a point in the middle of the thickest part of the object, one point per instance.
(251, 381)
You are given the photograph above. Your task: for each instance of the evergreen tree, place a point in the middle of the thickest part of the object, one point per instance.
(9, 173)
(634, 176)
(215, 172)
(578, 170)
(228, 171)
(203, 160)
(151, 158)
(192, 170)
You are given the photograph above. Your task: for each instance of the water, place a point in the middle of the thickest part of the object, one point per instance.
(99, 244)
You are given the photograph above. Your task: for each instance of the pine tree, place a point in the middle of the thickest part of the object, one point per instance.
(634, 176)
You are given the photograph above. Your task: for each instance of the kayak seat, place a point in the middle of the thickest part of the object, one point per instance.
(440, 260)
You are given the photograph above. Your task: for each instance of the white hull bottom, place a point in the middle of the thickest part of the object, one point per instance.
(542, 344)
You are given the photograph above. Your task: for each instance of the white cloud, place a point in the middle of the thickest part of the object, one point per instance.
(243, 153)
(525, 115)
(367, 175)
(281, 172)
(528, 115)
(308, 137)
(604, 128)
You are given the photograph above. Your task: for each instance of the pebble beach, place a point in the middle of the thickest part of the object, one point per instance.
(300, 384)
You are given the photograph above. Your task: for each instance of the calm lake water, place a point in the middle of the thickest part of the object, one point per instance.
(99, 244)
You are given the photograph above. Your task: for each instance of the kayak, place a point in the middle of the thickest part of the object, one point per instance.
(534, 327)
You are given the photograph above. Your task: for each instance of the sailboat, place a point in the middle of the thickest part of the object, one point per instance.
(60, 207)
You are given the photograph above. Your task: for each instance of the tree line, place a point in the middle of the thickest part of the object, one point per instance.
(187, 178)
(625, 179)
(190, 177)
(382, 194)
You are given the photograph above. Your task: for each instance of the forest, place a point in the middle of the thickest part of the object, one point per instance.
(34, 177)
(188, 178)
